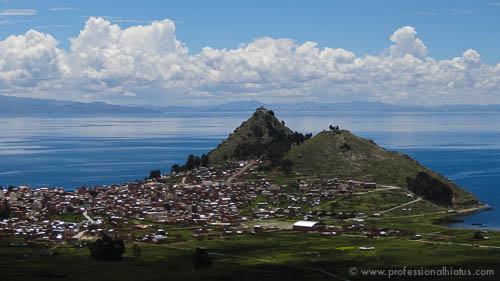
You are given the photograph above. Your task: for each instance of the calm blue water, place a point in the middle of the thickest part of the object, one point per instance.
(73, 151)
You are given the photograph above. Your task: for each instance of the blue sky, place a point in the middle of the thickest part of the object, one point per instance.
(364, 28)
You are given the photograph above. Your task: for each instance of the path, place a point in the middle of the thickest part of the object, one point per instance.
(88, 217)
(426, 241)
(397, 207)
(377, 190)
(79, 235)
(453, 243)
(388, 210)
(462, 211)
(231, 178)
(410, 216)
(382, 185)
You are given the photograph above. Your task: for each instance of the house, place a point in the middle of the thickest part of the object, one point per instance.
(303, 187)
(370, 185)
(308, 226)
(257, 229)
(274, 188)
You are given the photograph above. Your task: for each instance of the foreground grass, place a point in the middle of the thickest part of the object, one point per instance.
(277, 256)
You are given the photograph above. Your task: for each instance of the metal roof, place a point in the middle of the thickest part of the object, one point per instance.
(305, 223)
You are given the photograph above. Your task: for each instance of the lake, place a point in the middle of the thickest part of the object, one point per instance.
(72, 151)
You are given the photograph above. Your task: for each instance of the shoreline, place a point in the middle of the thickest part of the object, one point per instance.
(479, 209)
(469, 212)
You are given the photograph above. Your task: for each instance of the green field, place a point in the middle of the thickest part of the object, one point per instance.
(286, 255)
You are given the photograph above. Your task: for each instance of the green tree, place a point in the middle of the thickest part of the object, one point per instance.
(190, 163)
(175, 168)
(4, 210)
(201, 258)
(107, 248)
(204, 160)
(155, 174)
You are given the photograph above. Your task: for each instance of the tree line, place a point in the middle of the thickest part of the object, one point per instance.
(192, 162)
(431, 189)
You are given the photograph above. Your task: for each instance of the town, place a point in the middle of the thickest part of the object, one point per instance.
(219, 201)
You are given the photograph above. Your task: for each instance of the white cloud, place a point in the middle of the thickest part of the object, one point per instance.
(30, 59)
(129, 94)
(147, 63)
(122, 20)
(407, 44)
(62, 9)
(19, 12)
(461, 11)
(426, 13)
(103, 51)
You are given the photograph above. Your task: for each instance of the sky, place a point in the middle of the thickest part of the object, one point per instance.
(209, 52)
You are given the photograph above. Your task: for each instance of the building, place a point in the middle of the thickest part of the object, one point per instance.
(370, 185)
(309, 226)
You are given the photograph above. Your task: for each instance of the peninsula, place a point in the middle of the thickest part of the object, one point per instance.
(267, 204)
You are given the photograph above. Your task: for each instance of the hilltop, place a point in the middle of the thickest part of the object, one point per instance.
(261, 135)
(334, 153)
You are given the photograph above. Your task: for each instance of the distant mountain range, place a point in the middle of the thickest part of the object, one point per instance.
(19, 105)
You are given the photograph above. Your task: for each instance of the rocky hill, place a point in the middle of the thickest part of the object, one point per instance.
(253, 138)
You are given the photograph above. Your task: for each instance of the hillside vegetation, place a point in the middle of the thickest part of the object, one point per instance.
(334, 153)
(263, 135)
(339, 153)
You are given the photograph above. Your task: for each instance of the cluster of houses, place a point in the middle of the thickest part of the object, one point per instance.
(203, 196)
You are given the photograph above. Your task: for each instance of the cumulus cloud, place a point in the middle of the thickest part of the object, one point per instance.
(407, 44)
(103, 51)
(30, 59)
(148, 64)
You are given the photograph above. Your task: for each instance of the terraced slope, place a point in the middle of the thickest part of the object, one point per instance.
(339, 153)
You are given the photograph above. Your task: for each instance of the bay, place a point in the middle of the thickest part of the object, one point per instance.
(76, 150)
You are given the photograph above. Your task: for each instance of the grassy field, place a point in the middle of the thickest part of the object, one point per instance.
(285, 255)
(369, 202)
(68, 217)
